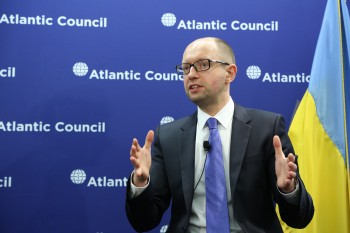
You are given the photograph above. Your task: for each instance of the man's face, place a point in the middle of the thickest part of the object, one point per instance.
(208, 87)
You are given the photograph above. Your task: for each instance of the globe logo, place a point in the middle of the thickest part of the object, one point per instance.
(253, 72)
(78, 176)
(166, 119)
(168, 19)
(80, 69)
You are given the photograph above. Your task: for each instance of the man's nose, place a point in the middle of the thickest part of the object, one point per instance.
(192, 70)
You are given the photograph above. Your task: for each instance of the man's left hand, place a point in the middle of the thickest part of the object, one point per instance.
(285, 168)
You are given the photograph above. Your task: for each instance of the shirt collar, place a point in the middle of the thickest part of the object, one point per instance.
(224, 116)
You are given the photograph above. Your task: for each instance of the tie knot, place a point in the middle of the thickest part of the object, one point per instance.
(212, 123)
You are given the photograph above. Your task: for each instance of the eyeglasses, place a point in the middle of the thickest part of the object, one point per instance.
(200, 65)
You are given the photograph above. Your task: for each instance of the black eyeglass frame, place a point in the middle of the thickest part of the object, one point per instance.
(179, 68)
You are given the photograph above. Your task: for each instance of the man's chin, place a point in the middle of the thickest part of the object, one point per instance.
(198, 100)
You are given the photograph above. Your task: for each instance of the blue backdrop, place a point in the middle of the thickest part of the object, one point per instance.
(80, 79)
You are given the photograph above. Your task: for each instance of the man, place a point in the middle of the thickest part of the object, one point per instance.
(257, 172)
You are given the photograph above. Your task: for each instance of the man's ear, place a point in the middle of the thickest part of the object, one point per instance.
(231, 72)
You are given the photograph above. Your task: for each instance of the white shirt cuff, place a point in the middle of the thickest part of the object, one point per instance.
(136, 191)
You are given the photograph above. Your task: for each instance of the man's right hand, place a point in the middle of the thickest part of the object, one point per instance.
(140, 157)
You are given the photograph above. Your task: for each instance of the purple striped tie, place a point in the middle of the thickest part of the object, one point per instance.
(215, 186)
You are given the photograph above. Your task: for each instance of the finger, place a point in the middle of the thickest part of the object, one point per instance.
(136, 144)
(292, 175)
(292, 166)
(291, 158)
(278, 147)
(135, 162)
(149, 140)
(133, 151)
(289, 182)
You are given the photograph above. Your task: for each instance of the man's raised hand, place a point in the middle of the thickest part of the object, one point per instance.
(140, 157)
(285, 168)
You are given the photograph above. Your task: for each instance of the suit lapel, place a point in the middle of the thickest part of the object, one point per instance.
(186, 143)
(239, 141)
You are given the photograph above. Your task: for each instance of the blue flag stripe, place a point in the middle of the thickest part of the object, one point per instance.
(328, 82)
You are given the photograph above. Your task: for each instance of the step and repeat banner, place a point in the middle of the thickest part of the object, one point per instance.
(80, 79)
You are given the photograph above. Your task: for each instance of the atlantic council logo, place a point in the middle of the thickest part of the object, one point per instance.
(80, 69)
(253, 72)
(168, 19)
(166, 119)
(78, 176)
(44, 20)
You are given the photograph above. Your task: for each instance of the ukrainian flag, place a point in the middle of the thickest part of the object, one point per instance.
(320, 127)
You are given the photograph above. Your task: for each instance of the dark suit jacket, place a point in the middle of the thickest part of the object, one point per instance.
(252, 176)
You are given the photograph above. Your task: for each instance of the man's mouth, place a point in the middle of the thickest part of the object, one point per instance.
(194, 86)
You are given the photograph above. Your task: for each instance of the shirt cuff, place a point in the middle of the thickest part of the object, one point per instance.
(293, 197)
(136, 191)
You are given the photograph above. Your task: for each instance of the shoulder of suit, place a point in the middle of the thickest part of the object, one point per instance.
(254, 113)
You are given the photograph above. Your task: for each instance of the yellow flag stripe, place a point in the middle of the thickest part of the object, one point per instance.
(323, 170)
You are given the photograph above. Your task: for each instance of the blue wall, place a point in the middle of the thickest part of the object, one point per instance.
(104, 66)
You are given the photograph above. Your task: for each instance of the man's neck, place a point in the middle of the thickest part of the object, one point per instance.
(214, 108)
